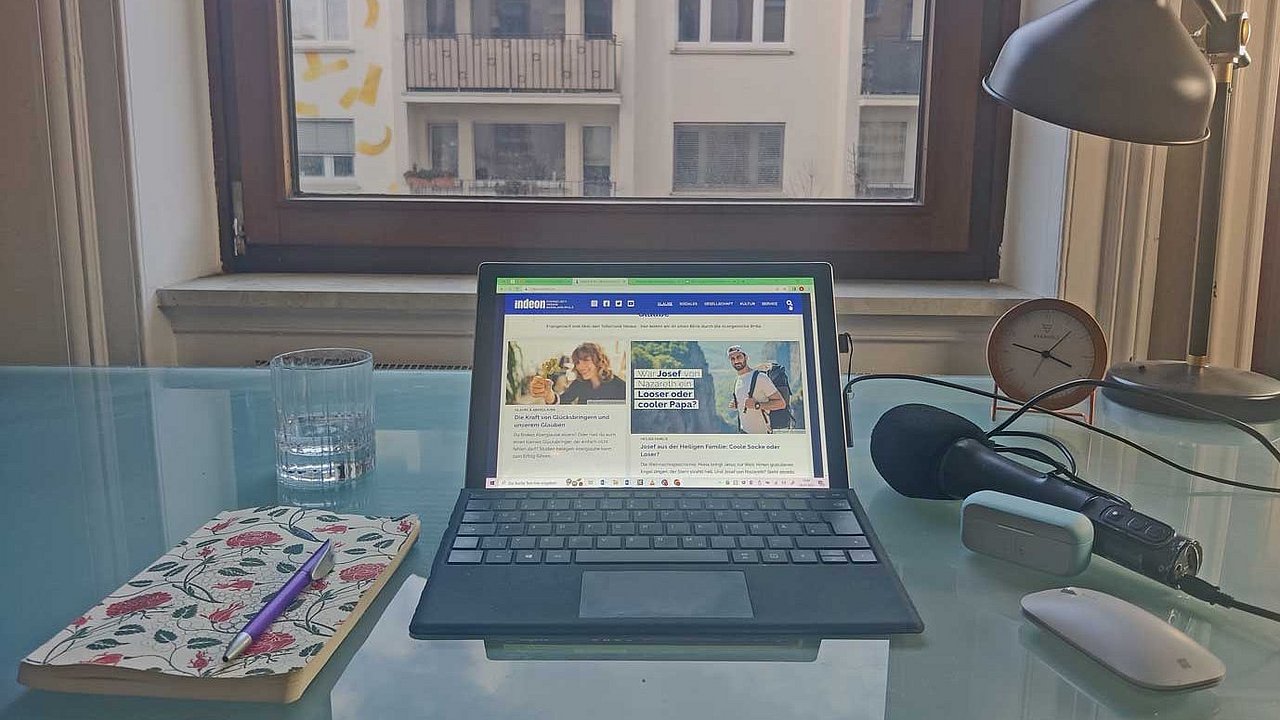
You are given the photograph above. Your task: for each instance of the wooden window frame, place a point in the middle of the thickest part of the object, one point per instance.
(952, 230)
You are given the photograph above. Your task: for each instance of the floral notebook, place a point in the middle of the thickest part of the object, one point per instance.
(163, 632)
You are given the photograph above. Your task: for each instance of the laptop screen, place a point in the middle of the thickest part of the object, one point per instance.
(658, 382)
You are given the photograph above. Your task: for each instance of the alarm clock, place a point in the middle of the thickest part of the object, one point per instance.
(1042, 343)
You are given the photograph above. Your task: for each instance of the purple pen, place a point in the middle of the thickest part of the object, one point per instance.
(316, 567)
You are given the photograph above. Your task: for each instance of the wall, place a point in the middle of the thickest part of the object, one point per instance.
(33, 318)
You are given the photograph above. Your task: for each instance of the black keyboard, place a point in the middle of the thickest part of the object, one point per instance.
(501, 527)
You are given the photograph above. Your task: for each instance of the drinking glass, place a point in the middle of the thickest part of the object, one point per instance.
(324, 416)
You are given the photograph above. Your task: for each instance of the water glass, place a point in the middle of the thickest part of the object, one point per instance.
(324, 416)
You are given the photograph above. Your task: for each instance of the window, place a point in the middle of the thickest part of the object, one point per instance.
(319, 20)
(758, 146)
(441, 16)
(726, 157)
(597, 18)
(597, 161)
(731, 21)
(326, 148)
(882, 151)
(444, 148)
(517, 18)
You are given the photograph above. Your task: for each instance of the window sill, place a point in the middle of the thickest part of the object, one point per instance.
(239, 319)
(731, 49)
(323, 46)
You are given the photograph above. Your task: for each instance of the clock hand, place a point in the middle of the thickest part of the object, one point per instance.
(1039, 365)
(1056, 359)
(1030, 349)
(1055, 345)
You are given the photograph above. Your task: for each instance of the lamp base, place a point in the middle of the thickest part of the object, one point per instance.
(1241, 394)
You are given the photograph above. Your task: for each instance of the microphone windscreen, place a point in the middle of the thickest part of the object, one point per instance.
(907, 445)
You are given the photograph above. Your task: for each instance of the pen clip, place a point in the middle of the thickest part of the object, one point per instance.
(324, 566)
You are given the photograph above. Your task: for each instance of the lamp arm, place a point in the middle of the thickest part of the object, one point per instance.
(1212, 11)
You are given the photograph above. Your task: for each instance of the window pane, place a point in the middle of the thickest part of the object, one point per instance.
(775, 17)
(344, 166)
(336, 24)
(690, 20)
(597, 18)
(304, 17)
(444, 148)
(311, 165)
(487, 110)
(731, 20)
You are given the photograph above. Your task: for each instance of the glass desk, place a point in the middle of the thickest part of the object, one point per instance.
(103, 470)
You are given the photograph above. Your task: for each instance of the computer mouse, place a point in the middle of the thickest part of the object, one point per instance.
(1124, 638)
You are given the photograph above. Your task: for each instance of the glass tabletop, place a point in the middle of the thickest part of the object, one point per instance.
(104, 469)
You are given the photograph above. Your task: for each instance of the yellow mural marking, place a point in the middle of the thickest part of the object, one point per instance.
(317, 68)
(393, 188)
(369, 92)
(305, 109)
(365, 148)
(348, 98)
(371, 18)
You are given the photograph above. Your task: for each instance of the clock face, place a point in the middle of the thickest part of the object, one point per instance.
(1043, 343)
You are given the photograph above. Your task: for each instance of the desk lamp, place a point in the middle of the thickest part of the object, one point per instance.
(1128, 70)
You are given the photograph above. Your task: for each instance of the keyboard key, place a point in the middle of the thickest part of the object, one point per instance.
(568, 528)
(700, 516)
(510, 529)
(773, 556)
(663, 504)
(690, 504)
(536, 516)
(474, 504)
(497, 557)
(723, 542)
(638, 504)
(742, 504)
(617, 516)
(585, 504)
(817, 528)
(508, 516)
(781, 516)
(788, 528)
(529, 556)
(466, 543)
(564, 516)
(595, 528)
(668, 516)
(724, 516)
(844, 542)
(636, 542)
(477, 517)
(618, 494)
(843, 523)
(652, 556)
(831, 504)
(679, 528)
(761, 528)
(832, 556)
(807, 516)
(770, 504)
(611, 504)
(551, 542)
(666, 542)
(493, 542)
(465, 557)
(524, 543)
(560, 504)
(532, 504)
(558, 557)
(706, 528)
(804, 556)
(610, 542)
(862, 556)
(750, 542)
(733, 528)
(580, 543)
(778, 543)
(476, 529)
(508, 505)
(645, 516)
(622, 528)
(716, 504)
(649, 528)
(750, 516)
(591, 516)
(693, 542)
(795, 504)
(746, 556)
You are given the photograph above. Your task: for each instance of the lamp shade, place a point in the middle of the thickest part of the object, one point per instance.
(1122, 69)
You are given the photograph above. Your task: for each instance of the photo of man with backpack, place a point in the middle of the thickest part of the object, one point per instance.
(760, 395)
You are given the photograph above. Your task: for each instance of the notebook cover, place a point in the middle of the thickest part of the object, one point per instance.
(170, 624)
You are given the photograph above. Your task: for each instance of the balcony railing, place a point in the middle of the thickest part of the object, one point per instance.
(892, 67)
(516, 188)
(473, 63)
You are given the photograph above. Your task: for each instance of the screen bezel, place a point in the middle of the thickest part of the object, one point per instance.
(482, 436)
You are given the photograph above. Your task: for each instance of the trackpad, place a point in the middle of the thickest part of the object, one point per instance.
(664, 594)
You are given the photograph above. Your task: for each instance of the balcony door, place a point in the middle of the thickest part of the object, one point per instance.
(518, 18)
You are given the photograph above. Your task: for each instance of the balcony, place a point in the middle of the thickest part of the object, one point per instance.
(473, 63)
(892, 67)
(516, 188)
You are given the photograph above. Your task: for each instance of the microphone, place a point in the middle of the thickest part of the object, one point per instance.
(926, 452)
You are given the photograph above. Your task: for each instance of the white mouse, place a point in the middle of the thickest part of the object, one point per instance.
(1126, 639)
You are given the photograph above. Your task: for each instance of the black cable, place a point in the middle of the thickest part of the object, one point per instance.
(1212, 594)
(1061, 446)
(1075, 421)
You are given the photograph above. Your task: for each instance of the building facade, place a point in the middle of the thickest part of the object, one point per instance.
(648, 98)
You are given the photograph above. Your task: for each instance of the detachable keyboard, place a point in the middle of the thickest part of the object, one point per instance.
(594, 527)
